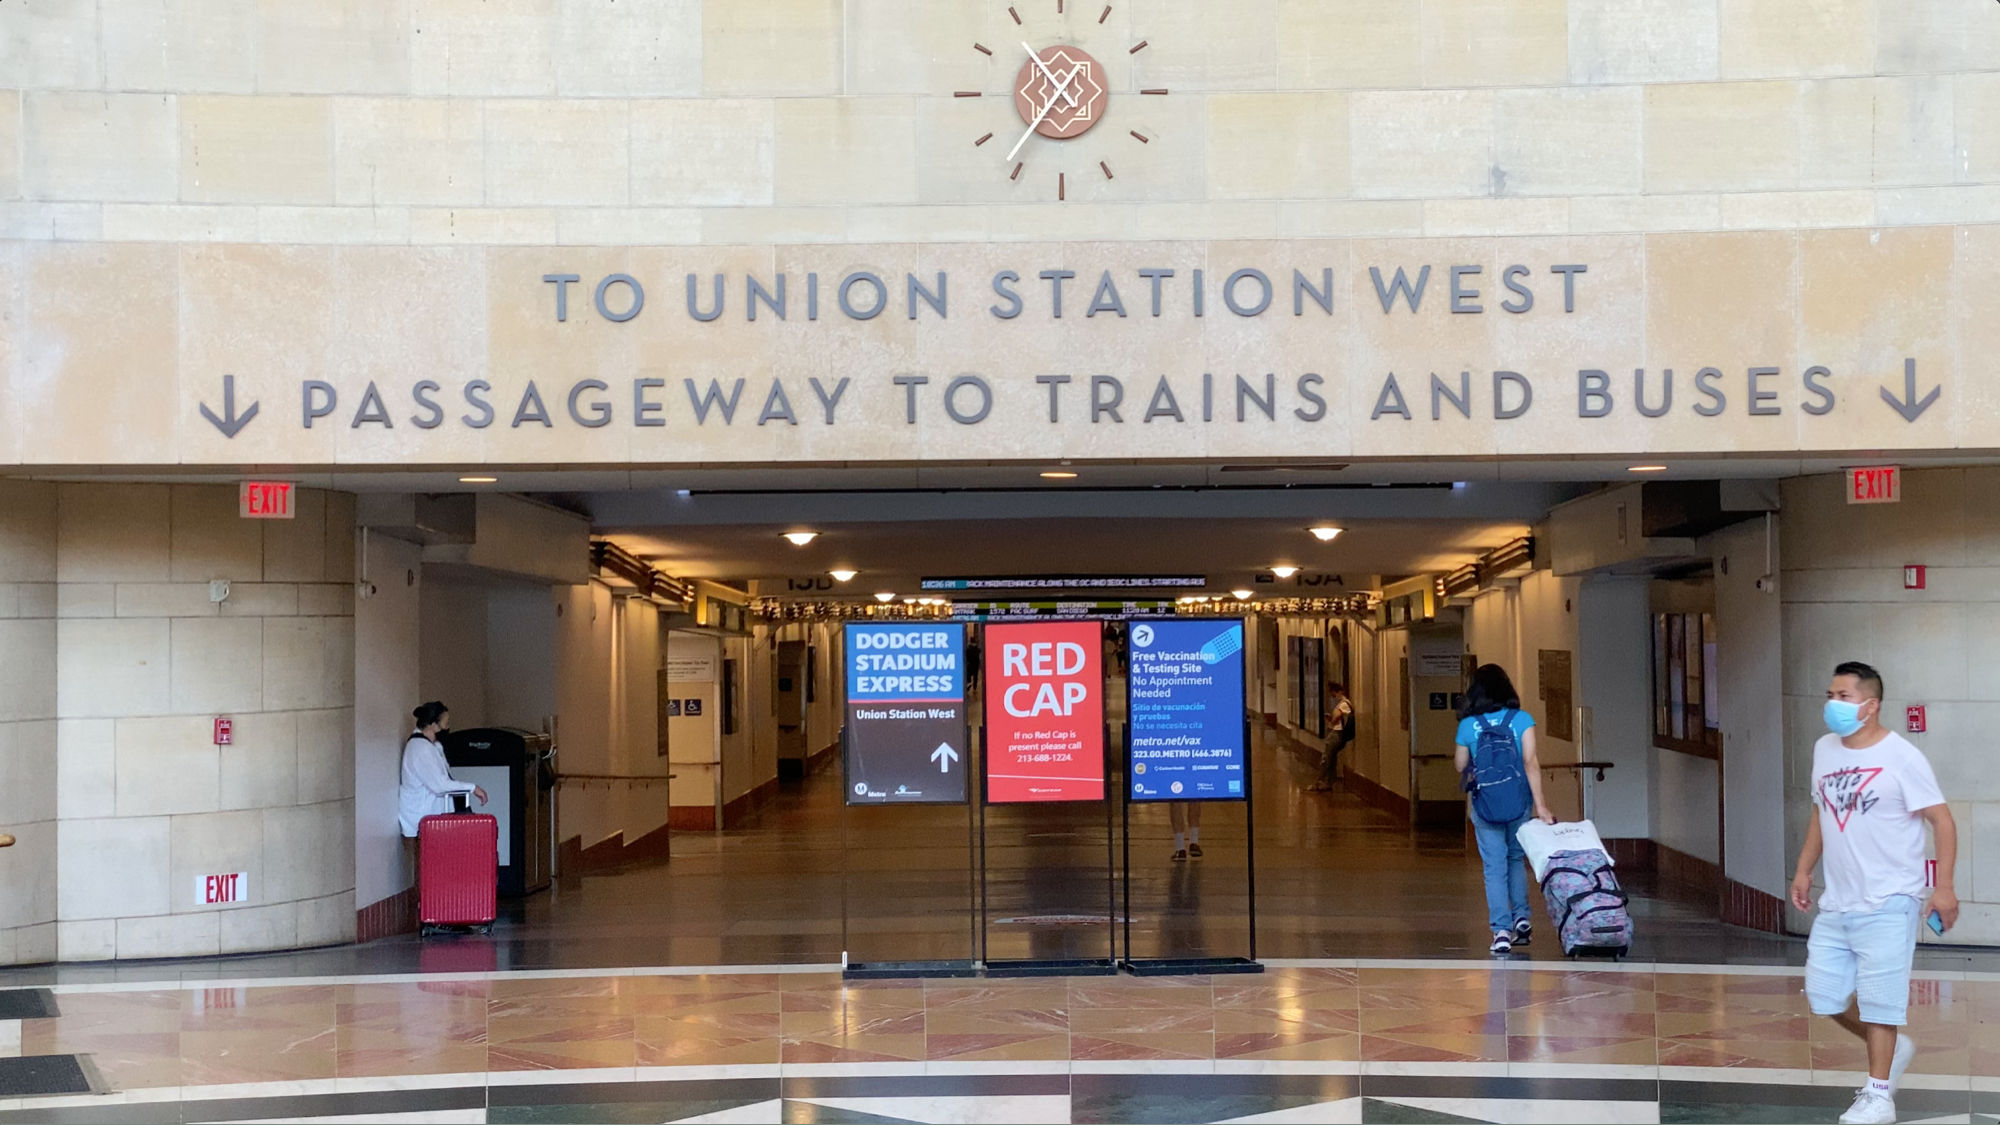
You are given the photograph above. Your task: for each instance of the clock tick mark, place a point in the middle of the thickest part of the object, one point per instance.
(1062, 190)
(965, 93)
(1142, 138)
(982, 140)
(1140, 47)
(1107, 169)
(1016, 15)
(1106, 15)
(982, 49)
(1161, 90)
(1017, 170)
(1059, 7)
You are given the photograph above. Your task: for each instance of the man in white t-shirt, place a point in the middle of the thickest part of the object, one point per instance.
(1872, 795)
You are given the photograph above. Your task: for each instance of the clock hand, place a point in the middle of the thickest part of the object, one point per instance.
(1046, 107)
(1068, 98)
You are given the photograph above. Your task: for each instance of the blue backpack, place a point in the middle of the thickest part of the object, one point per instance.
(1495, 778)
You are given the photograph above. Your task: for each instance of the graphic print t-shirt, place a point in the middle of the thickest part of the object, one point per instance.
(1868, 803)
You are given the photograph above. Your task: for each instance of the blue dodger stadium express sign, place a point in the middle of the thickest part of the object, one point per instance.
(1186, 711)
(906, 725)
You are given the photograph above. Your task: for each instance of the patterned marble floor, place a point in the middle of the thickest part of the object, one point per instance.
(1304, 1041)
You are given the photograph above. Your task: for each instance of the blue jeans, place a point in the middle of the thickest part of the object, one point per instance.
(1506, 872)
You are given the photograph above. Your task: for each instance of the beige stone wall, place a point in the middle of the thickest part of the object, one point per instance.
(591, 122)
(144, 660)
(127, 386)
(1843, 599)
(28, 721)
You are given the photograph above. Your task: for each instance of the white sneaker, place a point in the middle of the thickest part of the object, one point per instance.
(1870, 1108)
(1906, 1049)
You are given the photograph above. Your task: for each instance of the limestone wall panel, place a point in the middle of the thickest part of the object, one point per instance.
(831, 150)
(711, 152)
(541, 153)
(1778, 39)
(1421, 144)
(1495, 42)
(1277, 146)
(1612, 41)
(82, 145)
(777, 48)
(607, 49)
(1722, 136)
(477, 48)
(1348, 44)
(1568, 141)
(333, 46)
(427, 151)
(255, 150)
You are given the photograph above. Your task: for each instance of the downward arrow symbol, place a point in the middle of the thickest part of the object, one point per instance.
(1909, 406)
(231, 423)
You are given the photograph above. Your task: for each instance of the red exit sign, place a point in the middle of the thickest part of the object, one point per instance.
(266, 500)
(212, 890)
(1881, 484)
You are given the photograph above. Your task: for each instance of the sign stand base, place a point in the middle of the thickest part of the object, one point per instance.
(1079, 967)
(1190, 966)
(904, 970)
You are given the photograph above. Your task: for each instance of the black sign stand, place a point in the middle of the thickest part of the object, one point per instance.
(896, 970)
(1195, 966)
(1059, 966)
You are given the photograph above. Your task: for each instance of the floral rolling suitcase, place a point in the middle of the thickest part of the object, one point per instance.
(458, 870)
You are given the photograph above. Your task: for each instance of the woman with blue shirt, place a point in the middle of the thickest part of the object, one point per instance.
(1511, 779)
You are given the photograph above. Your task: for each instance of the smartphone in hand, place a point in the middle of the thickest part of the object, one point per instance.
(1936, 922)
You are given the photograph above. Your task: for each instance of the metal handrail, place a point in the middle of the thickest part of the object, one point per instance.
(1600, 767)
(651, 778)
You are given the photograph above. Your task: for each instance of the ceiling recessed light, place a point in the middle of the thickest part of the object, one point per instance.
(1284, 571)
(1240, 595)
(1649, 468)
(1058, 474)
(1324, 533)
(885, 597)
(801, 538)
(842, 575)
(910, 601)
(477, 480)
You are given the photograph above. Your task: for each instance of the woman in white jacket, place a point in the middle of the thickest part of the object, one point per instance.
(427, 782)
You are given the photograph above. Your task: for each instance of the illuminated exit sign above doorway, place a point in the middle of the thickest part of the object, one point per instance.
(1881, 484)
(266, 500)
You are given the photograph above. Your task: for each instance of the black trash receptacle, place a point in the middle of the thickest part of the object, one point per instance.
(513, 767)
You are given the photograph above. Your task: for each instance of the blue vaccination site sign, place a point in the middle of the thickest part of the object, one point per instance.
(1186, 710)
(905, 741)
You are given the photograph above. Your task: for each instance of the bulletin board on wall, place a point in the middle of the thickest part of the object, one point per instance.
(1556, 667)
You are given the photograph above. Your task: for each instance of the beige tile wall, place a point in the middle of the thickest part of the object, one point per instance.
(28, 734)
(114, 663)
(679, 121)
(1843, 599)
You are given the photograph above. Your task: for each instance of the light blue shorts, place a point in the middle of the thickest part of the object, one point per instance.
(1864, 955)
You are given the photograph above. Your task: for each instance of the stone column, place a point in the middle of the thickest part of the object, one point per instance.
(28, 721)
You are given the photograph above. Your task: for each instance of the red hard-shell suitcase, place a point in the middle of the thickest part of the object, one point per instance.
(459, 869)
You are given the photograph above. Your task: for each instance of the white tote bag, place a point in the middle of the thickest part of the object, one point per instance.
(1541, 841)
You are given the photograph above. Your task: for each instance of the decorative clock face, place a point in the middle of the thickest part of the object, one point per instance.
(1060, 93)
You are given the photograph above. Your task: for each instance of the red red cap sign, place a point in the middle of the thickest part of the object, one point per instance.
(1044, 712)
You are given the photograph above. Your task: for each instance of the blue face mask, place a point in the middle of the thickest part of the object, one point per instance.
(1842, 718)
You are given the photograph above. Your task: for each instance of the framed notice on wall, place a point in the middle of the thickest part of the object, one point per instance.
(1044, 711)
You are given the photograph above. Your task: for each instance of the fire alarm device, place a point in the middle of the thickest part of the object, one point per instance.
(1914, 718)
(1913, 578)
(225, 730)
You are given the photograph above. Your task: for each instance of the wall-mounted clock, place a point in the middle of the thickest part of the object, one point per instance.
(1060, 94)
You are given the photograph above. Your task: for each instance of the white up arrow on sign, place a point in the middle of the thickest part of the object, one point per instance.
(944, 756)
